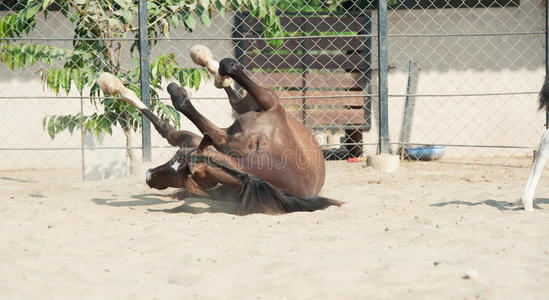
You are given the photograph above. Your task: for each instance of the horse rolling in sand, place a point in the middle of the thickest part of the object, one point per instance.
(541, 158)
(269, 157)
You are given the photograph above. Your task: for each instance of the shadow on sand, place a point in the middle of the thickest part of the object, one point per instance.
(138, 200)
(222, 201)
(500, 205)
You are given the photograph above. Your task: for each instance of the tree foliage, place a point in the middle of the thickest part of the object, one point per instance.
(101, 31)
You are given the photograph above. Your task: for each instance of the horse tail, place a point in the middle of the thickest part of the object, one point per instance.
(259, 196)
(544, 95)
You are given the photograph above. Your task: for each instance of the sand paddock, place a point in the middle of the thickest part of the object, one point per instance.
(411, 234)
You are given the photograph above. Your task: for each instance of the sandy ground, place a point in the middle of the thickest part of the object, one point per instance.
(413, 234)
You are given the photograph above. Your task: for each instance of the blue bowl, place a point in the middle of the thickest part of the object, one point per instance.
(424, 152)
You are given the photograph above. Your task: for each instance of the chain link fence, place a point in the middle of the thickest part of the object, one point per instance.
(462, 77)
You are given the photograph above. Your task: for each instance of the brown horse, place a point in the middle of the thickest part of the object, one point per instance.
(270, 157)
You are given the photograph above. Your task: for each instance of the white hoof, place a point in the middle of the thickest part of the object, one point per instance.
(200, 54)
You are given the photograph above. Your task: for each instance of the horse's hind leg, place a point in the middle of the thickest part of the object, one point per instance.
(111, 85)
(181, 102)
(264, 98)
(180, 138)
(530, 188)
(239, 104)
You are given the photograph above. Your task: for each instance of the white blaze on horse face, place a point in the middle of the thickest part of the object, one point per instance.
(175, 165)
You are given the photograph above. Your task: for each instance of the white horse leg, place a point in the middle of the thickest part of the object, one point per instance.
(530, 188)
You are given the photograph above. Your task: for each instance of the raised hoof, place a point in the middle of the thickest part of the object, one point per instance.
(228, 67)
(179, 96)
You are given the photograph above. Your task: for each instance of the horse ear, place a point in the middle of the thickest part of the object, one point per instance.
(204, 143)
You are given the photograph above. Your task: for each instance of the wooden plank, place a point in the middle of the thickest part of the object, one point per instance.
(327, 117)
(312, 23)
(314, 80)
(321, 61)
(255, 25)
(340, 98)
(341, 43)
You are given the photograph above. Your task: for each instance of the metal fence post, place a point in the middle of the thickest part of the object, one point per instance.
(546, 56)
(144, 77)
(383, 73)
(368, 69)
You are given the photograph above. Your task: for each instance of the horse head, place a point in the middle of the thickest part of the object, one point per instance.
(181, 172)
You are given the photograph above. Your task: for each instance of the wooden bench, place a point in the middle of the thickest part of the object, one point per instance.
(324, 81)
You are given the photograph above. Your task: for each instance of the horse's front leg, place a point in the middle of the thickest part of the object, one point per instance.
(239, 104)
(202, 56)
(264, 98)
(530, 188)
(181, 102)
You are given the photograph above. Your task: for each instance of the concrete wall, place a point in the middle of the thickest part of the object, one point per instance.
(448, 65)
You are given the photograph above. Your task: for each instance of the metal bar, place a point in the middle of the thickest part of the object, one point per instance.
(407, 114)
(79, 148)
(239, 49)
(396, 35)
(224, 38)
(237, 36)
(65, 39)
(144, 77)
(382, 77)
(467, 146)
(546, 56)
(464, 95)
(289, 97)
(82, 152)
(368, 71)
(429, 35)
(343, 144)
(304, 67)
(66, 148)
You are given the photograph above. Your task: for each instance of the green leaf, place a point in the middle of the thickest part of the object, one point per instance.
(128, 15)
(196, 79)
(220, 7)
(205, 19)
(46, 3)
(80, 81)
(31, 11)
(60, 124)
(175, 20)
(189, 21)
(51, 127)
(72, 124)
(66, 80)
(104, 125)
(236, 4)
(74, 16)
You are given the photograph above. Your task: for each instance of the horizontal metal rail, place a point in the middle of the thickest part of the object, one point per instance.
(340, 144)
(78, 148)
(224, 38)
(465, 145)
(287, 97)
